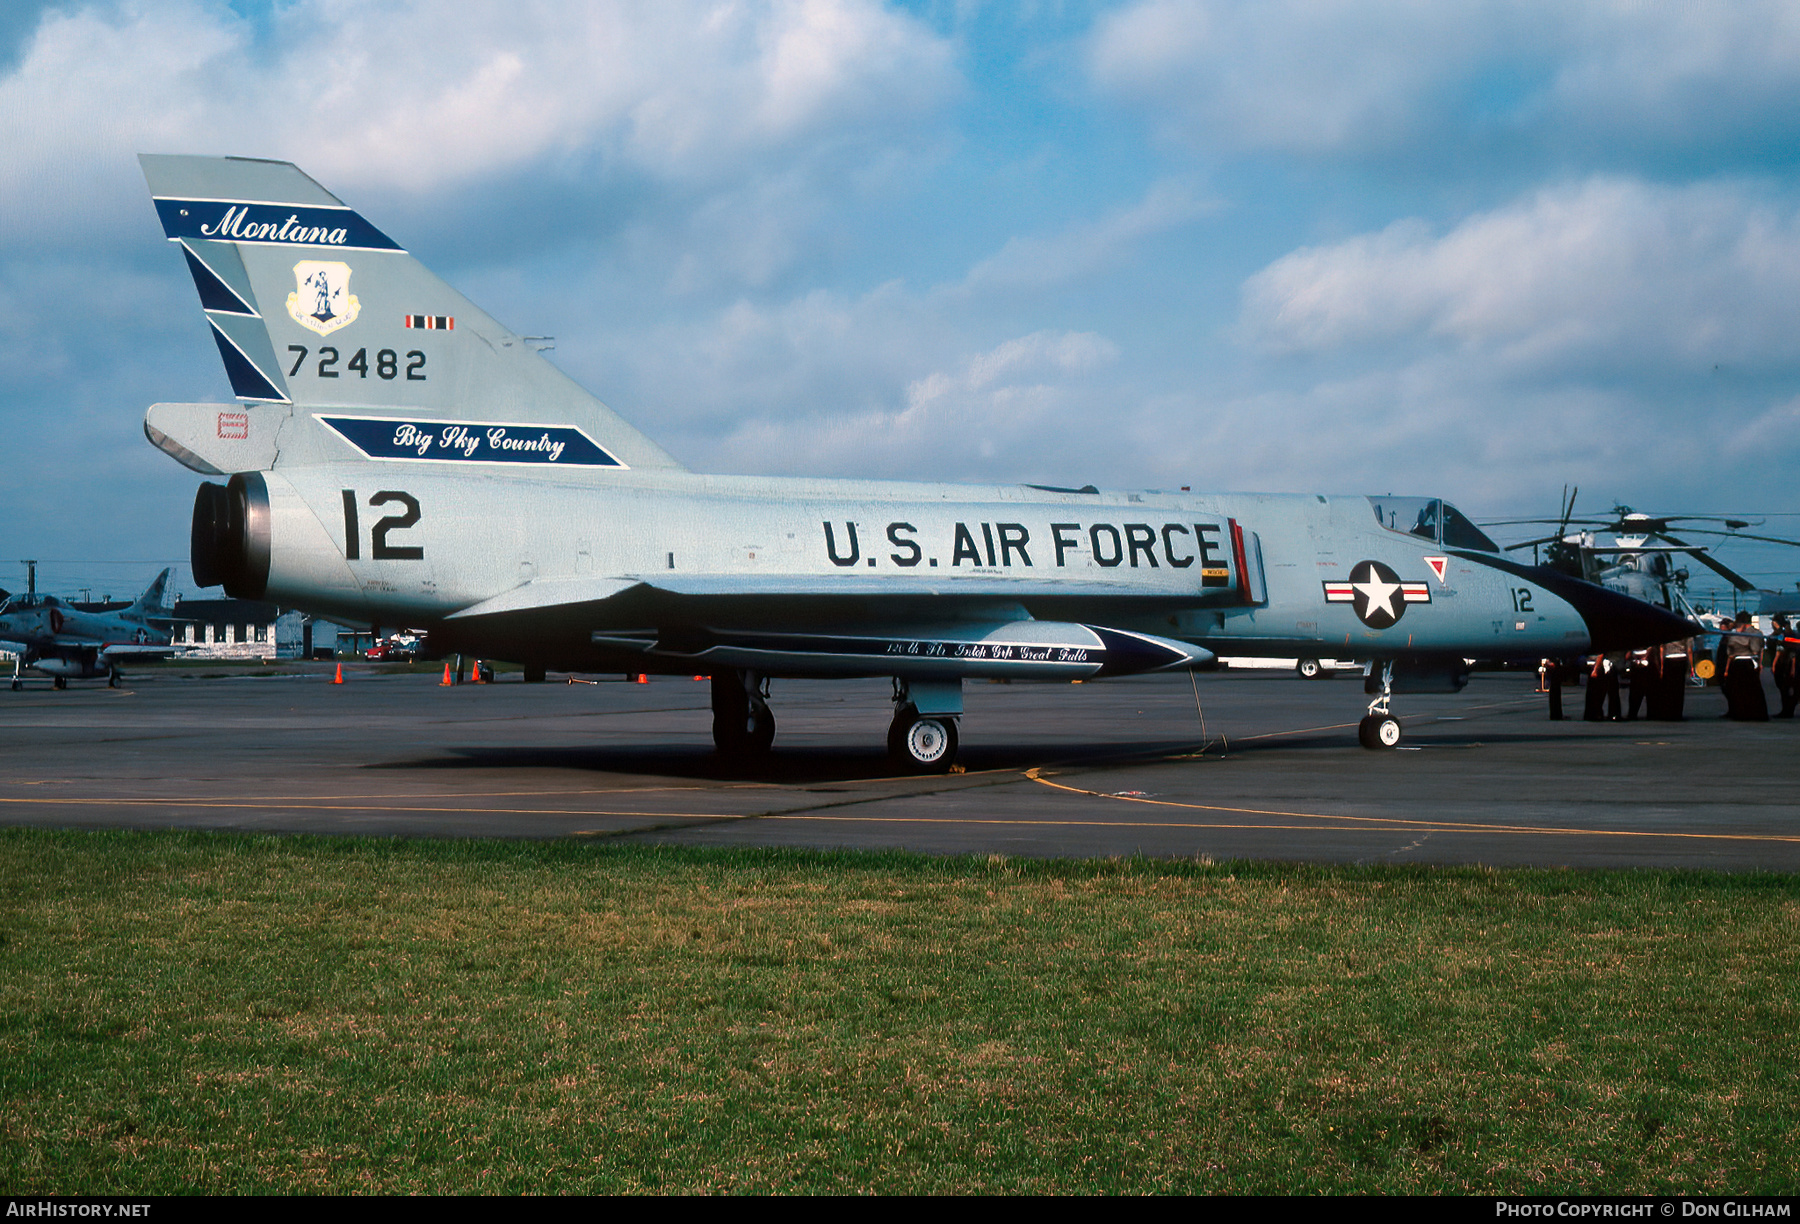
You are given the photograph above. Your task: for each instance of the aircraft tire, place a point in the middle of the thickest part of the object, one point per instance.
(726, 739)
(731, 714)
(1378, 731)
(761, 735)
(1309, 669)
(896, 736)
(744, 736)
(923, 745)
(752, 739)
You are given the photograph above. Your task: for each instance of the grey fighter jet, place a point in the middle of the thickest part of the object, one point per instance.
(67, 642)
(399, 457)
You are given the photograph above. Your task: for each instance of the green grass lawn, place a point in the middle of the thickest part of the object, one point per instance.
(230, 1014)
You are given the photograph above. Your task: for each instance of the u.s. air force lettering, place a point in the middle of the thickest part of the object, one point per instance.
(1377, 594)
(998, 546)
(471, 441)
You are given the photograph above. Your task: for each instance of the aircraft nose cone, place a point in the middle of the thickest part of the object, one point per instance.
(1619, 622)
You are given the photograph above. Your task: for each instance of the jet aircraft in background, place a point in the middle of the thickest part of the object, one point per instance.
(399, 457)
(67, 642)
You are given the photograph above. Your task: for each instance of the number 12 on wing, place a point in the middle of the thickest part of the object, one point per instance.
(379, 548)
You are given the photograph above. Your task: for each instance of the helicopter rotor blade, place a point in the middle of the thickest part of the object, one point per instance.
(1593, 522)
(1744, 535)
(1718, 567)
(1533, 543)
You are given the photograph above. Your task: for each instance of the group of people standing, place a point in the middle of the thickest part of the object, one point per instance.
(1657, 679)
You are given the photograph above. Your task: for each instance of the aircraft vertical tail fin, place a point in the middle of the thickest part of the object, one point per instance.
(151, 601)
(312, 305)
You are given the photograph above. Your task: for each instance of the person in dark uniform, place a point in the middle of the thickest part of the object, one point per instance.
(1640, 675)
(1785, 665)
(1740, 671)
(1603, 690)
(1672, 661)
(1550, 681)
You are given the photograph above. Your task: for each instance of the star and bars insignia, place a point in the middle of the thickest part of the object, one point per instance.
(1376, 593)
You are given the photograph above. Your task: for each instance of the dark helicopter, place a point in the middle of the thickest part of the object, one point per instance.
(1642, 560)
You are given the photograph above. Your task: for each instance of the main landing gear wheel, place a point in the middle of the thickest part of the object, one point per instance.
(923, 744)
(743, 724)
(1379, 731)
(61, 682)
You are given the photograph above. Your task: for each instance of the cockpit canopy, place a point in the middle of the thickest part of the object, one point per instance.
(29, 600)
(1432, 519)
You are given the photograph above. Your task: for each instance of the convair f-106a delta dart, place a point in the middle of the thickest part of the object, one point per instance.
(398, 457)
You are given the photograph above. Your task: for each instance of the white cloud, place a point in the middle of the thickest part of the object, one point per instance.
(1090, 246)
(881, 385)
(1609, 274)
(1319, 76)
(412, 95)
(1018, 410)
(1619, 335)
(1014, 372)
(1291, 74)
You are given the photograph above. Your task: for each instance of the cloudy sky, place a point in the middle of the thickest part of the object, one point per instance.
(1479, 250)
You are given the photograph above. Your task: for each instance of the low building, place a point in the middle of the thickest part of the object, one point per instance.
(246, 629)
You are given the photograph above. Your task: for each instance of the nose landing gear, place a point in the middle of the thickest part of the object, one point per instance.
(1379, 728)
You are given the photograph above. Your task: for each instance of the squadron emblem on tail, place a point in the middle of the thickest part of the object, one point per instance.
(322, 301)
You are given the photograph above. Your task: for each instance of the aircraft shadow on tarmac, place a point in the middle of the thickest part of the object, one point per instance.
(817, 765)
(790, 767)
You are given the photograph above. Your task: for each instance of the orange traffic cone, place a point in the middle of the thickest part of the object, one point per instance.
(642, 678)
(447, 681)
(339, 678)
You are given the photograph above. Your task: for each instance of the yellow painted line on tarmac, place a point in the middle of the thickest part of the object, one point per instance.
(1362, 824)
(1393, 824)
(1087, 824)
(617, 790)
(253, 806)
(1512, 703)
